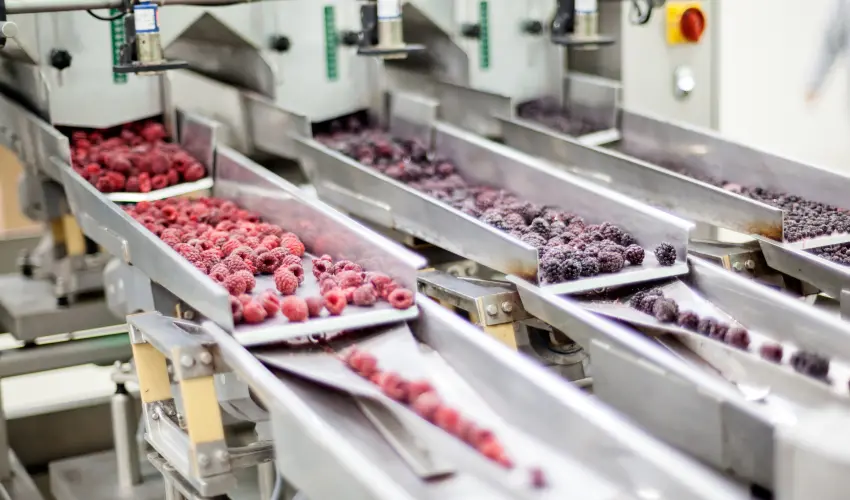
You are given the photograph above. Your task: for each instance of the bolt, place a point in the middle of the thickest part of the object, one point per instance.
(203, 460)
(154, 416)
(737, 266)
(187, 361)
(189, 314)
(222, 456)
(507, 306)
(205, 357)
(750, 264)
(60, 59)
(492, 310)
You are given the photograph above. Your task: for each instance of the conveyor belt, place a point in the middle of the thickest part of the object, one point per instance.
(706, 389)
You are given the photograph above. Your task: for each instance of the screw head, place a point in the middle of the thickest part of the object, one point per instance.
(203, 460)
(205, 357)
(507, 306)
(222, 456)
(492, 310)
(189, 314)
(60, 59)
(154, 416)
(737, 266)
(750, 264)
(187, 361)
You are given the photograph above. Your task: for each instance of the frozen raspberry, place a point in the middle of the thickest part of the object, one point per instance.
(327, 284)
(219, 273)
(417, 388)
(493, 450)
(159, 181)
(401, 298)
(665, 310)
(235, 285)
(315, 306)
(195, 172)
(392, 385)
(254, 312)
(211, 257)
(771, 352)
(538, 478)
(250, 281)
(334, 301)
(688, 320)
(364, 363)
(145, 183)
(321, 266)
(230, 246)
(379, 280)
(665, 253)
(245, 299)
(270, 302)
(426, 405)
(271, 242)
(236, 309)
(610, 262)
(294, 308)
(234, 264)
(448, 419)
(296, 270)
(340, 266)
(737, 337)
(293, 244)
(291, 260)
(365, 295)
(285, 282)
(267, 263)
(349, 294)
(634, 254)
(349, 279)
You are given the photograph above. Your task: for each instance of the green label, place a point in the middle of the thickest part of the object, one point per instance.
(118, 37)
(331, 44)
(484, 42)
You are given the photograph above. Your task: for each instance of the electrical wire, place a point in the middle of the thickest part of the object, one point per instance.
(111, 18)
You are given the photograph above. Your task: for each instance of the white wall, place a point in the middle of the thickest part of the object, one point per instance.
(766, 48)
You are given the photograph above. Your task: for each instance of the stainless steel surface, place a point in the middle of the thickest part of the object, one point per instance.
(487, 302)
(64, 353)
(28, 309)
(19, 485)
(829, 277)
(672, 399)
(695, 200)
(124, 424)
(271, 127)
(372, 196)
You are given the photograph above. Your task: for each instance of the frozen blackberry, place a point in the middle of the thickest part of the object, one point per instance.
(706, 325)
(550, 269)
(738, 337)
(636, 299)
(771, 352)
(570, 270)
(665, 310)
(627, 240)
(688, 320)
(647, 303)
(534, 240)
(611, 232)
(495, 219)
(610, 262)
(719, 331)
(540, 226)
(634, 254)
(665, 254)
(514, 221)
(557, 228)
(558, 253)
(811, 364)
(589, 266)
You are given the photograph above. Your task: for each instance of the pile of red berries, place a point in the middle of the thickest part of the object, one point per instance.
(133, 159)
(569, 248)
(421, 397)
(232, 246)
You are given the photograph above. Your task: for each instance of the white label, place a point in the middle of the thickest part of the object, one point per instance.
(145, 19)
(586, 6)
(389, 9)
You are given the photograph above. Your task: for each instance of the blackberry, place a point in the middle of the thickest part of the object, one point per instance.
(570, 270)
(706, 325)
(610, 262)
(534, 240)
(514, 221)
(636, 299)
(589, 266)
(688, 320)
(634, 254)
(611, 232)
(647, 303)
(665, 310)
(738, 337)
(665, 253)
(559, 253)
(494, 219)
(608, 246)
(550, 269)
(771, 352)
(811, 364)
(719, 331)
(627, 240)
(592, 250)
(557, 228)
(540, 226)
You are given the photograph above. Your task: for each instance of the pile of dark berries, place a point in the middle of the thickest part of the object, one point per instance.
(550, 113)
(233, 245)
(839, 254)
(134, 158)
(569, 247)
(421, 397)
(803, 219)
(666, 310)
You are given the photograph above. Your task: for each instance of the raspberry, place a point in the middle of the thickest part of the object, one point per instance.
(132, 184)
(320, 267)
(296, 270)
(737, 337)
(349, 294)
(268, 299)
(289, 260)
(365, 364)
(448, 419)
(144, 183)
(159, 181)
(334, 301)
(538, 478)
(417, 388)
(665, 253)
(254, 312)
(235, 285)
(688, 320)
(401, 298)
(294, 308)
(341, 265)
(285, 282)
(365, 295)
(211, 257)
(771, 352)
(392, 385)
(267, 263)
(230, 246)
(195, 172)
(236, 309)
(234, 264)
(634, 254)
(294, 245)
(426, 405)
(250, 282)
(348, 279)
(378, 280)
(271, 242)
(327, 284)
(315, 306)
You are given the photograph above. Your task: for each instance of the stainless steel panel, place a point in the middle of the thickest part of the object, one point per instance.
(592, 97)
(411, 116)
(271, 128)
(829, 277)
(472, 109)
(198, 137)
(692, 199)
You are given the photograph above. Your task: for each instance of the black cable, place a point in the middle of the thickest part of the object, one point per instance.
(113, 18)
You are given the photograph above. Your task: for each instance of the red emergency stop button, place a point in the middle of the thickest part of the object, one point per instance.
(692, 24)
